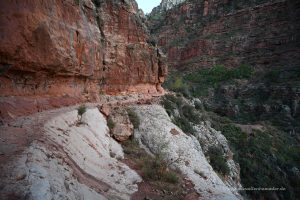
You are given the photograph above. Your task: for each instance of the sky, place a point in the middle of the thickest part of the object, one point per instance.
(148, 5)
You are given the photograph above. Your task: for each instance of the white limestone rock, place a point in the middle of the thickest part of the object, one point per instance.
(71, 161)
(210, 137)
(93, 150)
(155, 134)
(36, 174)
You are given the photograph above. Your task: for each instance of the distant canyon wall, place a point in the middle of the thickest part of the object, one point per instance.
(203, 33)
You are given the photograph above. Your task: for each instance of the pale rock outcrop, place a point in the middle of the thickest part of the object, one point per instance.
(183, 151)
(37, 175)
(71, 161)
(209, 137)
(91, 147)
(168, 4)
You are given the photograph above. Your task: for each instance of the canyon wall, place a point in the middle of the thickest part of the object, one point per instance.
(220, 32)
(263, 35)
(55, 53)
(242, 60)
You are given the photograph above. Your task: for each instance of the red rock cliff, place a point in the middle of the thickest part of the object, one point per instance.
(203, 33)
(58, 52)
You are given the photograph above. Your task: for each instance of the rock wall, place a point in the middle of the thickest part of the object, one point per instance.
(205, 33)
(73, 50)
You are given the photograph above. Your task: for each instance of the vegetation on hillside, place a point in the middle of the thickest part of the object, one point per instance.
(198, 83)
(185, 116)
(155, 172)
(267, 158)
(134, 118)
(217, 160)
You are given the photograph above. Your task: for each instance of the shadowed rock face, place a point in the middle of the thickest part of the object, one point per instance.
(263, 34)
(76, 48)
(204, 33)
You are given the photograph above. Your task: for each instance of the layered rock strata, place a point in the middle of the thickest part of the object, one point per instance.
(197, 34)
(57, 53)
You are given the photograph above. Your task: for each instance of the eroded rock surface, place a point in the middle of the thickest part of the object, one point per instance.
(203, 33)
(58, 53)
(122, 127)
(70, 161)
(156, 133)
(209, 137)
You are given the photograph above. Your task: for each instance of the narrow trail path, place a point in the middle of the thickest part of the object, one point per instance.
(17, 134)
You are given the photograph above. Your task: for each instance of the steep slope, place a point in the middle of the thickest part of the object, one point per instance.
(241, 59)
(56, 53)
(158, 134)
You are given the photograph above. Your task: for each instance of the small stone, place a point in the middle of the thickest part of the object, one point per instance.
(174, 131)
(105, 109)
(20, 177)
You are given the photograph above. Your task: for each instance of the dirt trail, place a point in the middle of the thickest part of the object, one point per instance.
(19, 133)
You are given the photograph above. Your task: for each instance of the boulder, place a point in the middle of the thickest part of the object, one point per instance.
(123, 128)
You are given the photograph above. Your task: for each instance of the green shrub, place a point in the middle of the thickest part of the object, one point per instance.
(244, 71)
(97, 3)
(190, 113)
(134, 118)
(176, 100)
(184, 124)
(187, 113)
(198, 105)
(153, 168)
(80, 111)
(171, 177)
(110, 123)
(77, 2)
(169, 106)
(197, 83)
(157, 169)
(178, 85)
(217, 160)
